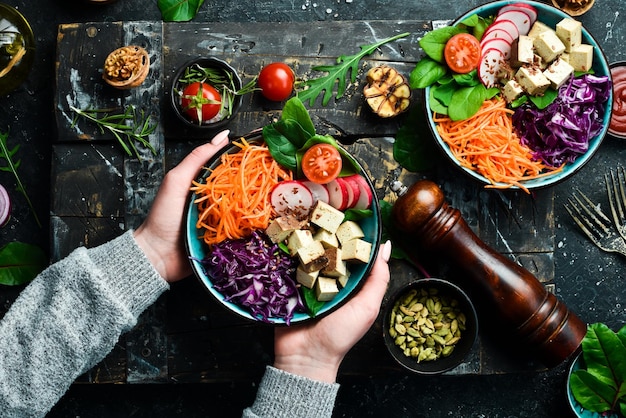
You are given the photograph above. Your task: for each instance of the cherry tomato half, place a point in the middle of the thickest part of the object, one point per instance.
(201, 102)
(276, 81)
(321, 163)
(462, 53)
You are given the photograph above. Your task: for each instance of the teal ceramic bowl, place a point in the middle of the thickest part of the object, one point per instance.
(198, 250)
(550, 16)
(575, 407)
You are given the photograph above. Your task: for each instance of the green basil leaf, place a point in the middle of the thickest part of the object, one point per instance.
(426, 72)
(20, 263)
(466, 101)
(179, 10)
(434, 41)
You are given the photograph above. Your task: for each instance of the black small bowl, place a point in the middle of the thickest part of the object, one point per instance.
(461, 348)
(177, 86)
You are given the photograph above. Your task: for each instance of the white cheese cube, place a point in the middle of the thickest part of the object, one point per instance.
(512, 90)
(538, 28)
(328, 239)
(312, 257)
(569, 32)
(343, 280)
(282, 227)
(325, 289)
(327, 217)
(532, 80)
(356, 250)
(349, 230)
(558, 73)
(335, 267)
(548, 46)
(299, 238)
(306, 278)
(581, 57)
(522, 51)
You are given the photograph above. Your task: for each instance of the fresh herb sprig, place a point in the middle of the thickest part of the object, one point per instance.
(127, 127)
(337, 73)
(11, 165)
(601, 385)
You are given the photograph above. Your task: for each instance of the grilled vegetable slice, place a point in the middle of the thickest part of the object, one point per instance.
(387, 91)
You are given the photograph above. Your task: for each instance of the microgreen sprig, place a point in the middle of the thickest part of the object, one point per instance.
(126, 127)
(11, 166)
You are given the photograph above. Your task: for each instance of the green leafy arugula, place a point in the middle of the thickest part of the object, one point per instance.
(20, 263)
(338, 73)
(601, 387)
(8, 163)
(179, 10)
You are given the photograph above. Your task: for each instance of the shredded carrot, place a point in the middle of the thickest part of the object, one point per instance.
(234, 199)
(487, 144)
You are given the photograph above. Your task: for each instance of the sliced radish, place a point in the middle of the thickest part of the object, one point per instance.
(506, 25)
(497, 33)
(524, 7)
(318, 191)
(291, 197)
(353, 183)
(499, 44)
(520, 18)
(489, 66)
(5, 206)
(338, 194)
(349, 192)
(366, 195)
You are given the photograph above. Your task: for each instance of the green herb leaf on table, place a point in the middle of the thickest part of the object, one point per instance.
(20, 263)
(11, 165)
(413, 147)
(179, 10)
(338, 73)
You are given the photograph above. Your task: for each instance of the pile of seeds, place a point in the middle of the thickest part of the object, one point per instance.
(425, 324)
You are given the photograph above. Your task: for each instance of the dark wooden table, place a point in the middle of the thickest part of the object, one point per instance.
(99, 192)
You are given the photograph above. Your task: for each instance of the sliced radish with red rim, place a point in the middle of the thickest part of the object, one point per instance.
(519, 18)
(5, 206)
(499, 44)
(526, 8)
(319, 191)
(291, 197)
(489, 67)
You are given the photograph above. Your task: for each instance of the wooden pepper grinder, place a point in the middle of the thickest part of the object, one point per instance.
(535, 317)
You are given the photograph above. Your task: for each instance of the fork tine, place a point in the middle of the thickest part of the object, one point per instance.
(579, 220)
(595, 221)
(617, 197)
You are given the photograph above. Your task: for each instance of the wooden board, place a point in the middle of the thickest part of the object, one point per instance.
(100, 192)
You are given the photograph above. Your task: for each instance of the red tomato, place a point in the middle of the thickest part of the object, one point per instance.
(201, 102)
(276, 81)
(321, 163)
(462, 53)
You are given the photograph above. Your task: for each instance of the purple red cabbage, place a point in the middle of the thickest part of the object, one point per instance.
(561, 132)
(255, 274)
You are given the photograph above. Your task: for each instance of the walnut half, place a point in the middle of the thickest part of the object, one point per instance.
(126, 67)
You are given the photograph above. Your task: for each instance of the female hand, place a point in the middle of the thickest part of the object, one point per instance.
(315, 350)
(161, 235)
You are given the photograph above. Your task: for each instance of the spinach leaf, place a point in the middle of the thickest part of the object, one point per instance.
(413, 148)
(466, 101)
(295, 110)
(277, 137)
(20, 263)
(434, 41)
(426, 72)
(544, 100)
(311, 302)
(179, 10)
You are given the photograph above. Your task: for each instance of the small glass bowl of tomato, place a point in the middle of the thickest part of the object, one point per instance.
(204, 93)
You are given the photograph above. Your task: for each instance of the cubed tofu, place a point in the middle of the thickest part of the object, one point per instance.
(356, 250)
(282, 227)
(349, 230)
(532, 80)
(312, 257)
(512, 90)
(538, 28)
(343, 280)
(548, 46)
(328, 239)
(300, 238)
(306, 278)
(581, 57)
(326, 288)
(558, 73)
(569, 32)
(522, 51)
(327, 217)
(336, 266)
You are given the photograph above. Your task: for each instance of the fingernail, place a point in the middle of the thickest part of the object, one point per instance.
(220, 138)
(386, 251)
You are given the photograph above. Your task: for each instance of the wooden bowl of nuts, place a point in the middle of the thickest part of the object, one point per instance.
(126, 67)
(429, 326)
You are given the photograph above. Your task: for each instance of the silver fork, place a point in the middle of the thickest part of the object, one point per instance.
(615, 181)
(595, 224)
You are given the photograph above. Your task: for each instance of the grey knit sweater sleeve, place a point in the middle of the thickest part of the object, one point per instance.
(68, 319)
